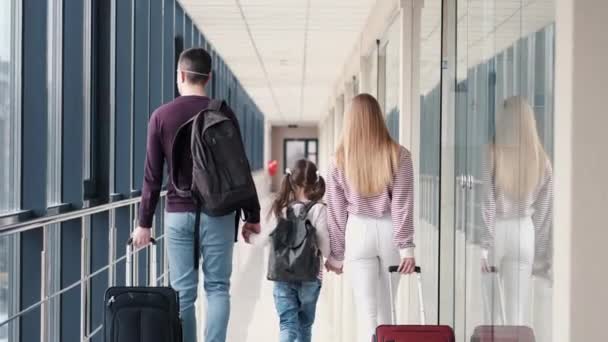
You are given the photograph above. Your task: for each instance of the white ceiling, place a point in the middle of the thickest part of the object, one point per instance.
(286, 53)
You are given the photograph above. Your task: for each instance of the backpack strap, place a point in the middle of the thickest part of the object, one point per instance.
(197, 235)
(307, 208)
(215, 105)
(177, 150)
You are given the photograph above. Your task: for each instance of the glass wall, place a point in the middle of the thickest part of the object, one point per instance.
(9, 108)
(10, 121)
(427, 230)
(391, 58)
(504, 179)
(68, 149)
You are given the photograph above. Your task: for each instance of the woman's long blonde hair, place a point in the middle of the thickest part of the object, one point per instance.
(518, 157)
(367, 154)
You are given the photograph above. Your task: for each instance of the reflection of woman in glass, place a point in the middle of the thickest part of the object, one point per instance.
(517, 209)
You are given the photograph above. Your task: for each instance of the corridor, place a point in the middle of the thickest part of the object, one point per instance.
(499, 102)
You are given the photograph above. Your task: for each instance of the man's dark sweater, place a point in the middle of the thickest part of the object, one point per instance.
(161, 129)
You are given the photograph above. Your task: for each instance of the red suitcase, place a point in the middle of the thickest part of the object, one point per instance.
(501, 333)
(412, 333)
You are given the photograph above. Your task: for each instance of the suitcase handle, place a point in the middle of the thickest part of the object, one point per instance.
(418, 271)
(393, 269)
(130, 241)
(129, 267)
(493, 270)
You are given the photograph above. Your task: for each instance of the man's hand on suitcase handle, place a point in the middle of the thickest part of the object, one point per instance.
(141, 237)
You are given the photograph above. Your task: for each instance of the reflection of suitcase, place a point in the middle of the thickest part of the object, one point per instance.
(148, 314)
(412, 333)
(502, 333)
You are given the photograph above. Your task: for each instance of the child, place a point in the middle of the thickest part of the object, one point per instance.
(296, 302)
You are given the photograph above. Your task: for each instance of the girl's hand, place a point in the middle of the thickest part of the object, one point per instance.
(246, 233)
(407, 266)
(331, 268)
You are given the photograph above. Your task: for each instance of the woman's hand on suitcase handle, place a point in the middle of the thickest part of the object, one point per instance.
(407, 266)
(486, 266)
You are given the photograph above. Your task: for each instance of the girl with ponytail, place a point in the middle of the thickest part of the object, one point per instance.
(302, 188)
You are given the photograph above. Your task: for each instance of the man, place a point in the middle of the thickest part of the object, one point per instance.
(216, 233)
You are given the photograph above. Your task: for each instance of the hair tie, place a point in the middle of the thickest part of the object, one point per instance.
(288, 171)
(318, 176)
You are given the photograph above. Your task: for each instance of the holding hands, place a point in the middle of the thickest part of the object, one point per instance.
(331, 268)
(249, 229)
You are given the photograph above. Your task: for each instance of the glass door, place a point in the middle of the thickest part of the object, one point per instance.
(296, 149)
(502, 126)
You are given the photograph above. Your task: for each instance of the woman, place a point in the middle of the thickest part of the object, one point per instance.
(517, 210)
(370, 206)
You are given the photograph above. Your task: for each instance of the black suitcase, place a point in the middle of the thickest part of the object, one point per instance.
(148, 314)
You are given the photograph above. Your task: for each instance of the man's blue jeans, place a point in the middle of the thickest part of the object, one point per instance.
(217, 243)
(296, 304)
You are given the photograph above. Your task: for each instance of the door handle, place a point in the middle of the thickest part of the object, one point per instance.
(462, 181)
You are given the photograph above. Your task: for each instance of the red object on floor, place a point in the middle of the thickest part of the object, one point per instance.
(273, 166)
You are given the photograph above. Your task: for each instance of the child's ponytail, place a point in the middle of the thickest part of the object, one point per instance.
(285, 196)
(316, 192)
(304, 176)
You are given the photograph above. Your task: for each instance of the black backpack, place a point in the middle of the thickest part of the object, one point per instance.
(221, 180)
(294, 250)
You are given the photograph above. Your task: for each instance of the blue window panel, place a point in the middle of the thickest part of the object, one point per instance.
(156, 55)
(222, 94)
(242, 116)
(178, 38)
(500, 79)
(179, 21)
(123, 95)
(510, 72)
(212, 88)
(30, 267)
(251, 134)
(202, 42)
(392, 121)
(187, 32)
(522, 67)
(70, 273)
(99, 259)
(168, 51)
(73, 83)
(258, 140)
(140, 89)
(263, 141)
(34, 124)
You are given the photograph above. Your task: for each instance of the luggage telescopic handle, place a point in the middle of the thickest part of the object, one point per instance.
(393, 269)
(129, 268)
(493, 270)
(418, 271)
(130, 241)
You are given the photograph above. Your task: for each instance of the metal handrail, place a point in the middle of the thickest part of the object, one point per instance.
(67, 216)
(72, 286)
(85, 214)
